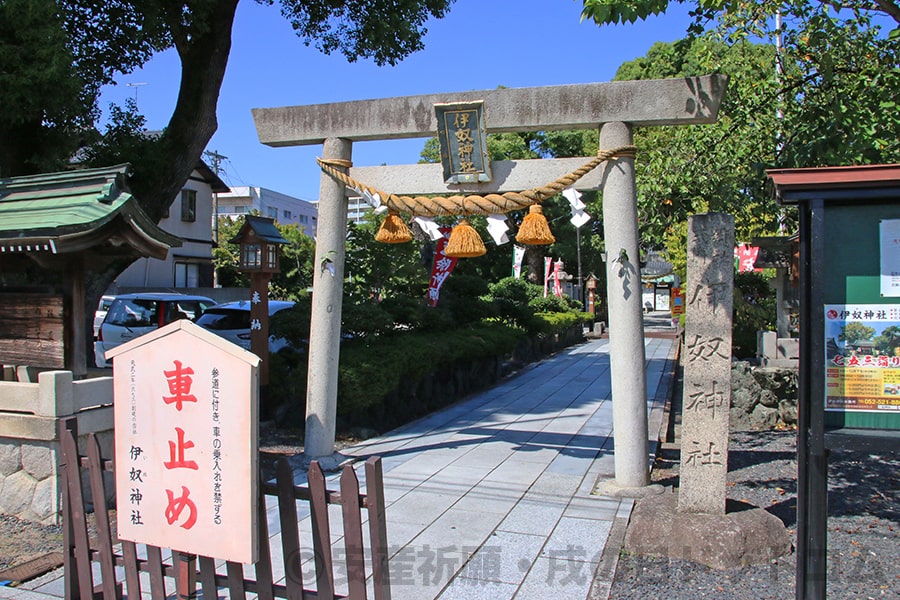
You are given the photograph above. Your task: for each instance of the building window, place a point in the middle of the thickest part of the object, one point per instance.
(188, 205)
(187, 275)
(272, 212)
(286, 214)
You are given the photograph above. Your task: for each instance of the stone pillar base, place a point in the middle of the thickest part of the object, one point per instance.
(744, 535)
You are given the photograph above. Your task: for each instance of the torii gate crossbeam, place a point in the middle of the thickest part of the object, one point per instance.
(615, 108)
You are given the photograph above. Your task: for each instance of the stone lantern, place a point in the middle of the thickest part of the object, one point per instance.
(260, 243)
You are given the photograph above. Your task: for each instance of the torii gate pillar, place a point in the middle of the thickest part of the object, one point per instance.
(325, 322)
(623, 289)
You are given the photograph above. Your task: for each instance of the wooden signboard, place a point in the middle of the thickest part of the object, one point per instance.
(186, 442)
(31, 330)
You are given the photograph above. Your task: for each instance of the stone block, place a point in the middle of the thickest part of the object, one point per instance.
(45, 501)
(39, 460)
(10, 457)
(731, 540)
(17, 493)
(787, 411)
(56, 394)
(788, 348)
(763, 417)
(766, 344)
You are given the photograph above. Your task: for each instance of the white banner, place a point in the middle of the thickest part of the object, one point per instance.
(518, 256)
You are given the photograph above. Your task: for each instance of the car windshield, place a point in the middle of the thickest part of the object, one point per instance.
(133, 312)
(184, 309)
(224, 319)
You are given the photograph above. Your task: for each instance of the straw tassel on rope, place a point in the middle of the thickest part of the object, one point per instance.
(534, 230)
(393, 230)
(464, 242)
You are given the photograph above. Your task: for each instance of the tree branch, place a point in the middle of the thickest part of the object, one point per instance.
(891, 8)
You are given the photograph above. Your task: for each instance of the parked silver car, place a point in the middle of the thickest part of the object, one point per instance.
(133, 315)
(231, 320)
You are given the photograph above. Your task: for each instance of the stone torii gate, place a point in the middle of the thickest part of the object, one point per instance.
(615, 108)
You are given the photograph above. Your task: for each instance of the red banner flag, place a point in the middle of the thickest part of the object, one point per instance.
(441, 268)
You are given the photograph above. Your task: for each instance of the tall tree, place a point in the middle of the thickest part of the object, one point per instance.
(55, 55)
(838, 69)
(718, 167)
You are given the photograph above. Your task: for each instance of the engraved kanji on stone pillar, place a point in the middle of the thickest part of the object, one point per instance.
(707, 369)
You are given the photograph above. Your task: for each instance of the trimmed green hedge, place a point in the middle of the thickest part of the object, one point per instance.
(370, 369)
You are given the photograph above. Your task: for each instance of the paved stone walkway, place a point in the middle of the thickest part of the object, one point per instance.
(491, 497)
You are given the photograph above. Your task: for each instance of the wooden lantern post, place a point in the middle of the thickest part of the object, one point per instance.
(260, 243)
(591, 284)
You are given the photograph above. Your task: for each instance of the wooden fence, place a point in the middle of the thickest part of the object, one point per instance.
(187, 570)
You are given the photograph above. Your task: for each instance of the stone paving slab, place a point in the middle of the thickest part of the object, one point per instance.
(491, 497)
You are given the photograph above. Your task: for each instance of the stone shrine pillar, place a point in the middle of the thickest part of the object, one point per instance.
(626, 331)
(325, 321)
(707, 369)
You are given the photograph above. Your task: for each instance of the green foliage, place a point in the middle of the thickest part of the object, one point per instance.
(550, 304)
(384, 30)
(380, 271)
(708, 168)
(888, 341)
(510, 297)
(839, 70)
(463, 297)
(54, 58)
(56, 55)
(227, 257)
(372, 368)
(754, 311)
(827, 98)
(611, 11)
(855, 332)
(398, 340)
(363, 319)
(296, 262)
(293, 324)
(555, 322)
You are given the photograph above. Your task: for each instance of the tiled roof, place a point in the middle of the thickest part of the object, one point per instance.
(77, 210)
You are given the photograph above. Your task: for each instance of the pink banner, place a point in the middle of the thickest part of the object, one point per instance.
(441, 268)
(557, 287)
(548, 261)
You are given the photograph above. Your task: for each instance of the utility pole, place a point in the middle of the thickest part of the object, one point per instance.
(216, 159)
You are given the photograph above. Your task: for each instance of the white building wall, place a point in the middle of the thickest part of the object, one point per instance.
(269, 203)
(189, 265)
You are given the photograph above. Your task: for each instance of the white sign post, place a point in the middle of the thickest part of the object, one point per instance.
(186, 448)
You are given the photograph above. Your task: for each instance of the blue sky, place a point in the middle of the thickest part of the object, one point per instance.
(480, 45)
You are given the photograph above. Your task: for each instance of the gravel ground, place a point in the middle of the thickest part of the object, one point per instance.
(863, 526)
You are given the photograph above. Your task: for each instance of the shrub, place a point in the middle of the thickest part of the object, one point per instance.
(754, 310)
(551, 303)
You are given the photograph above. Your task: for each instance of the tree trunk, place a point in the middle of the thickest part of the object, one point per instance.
(204, 57)
(193, 123)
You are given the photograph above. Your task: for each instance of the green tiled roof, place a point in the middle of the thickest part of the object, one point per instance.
(75, 211)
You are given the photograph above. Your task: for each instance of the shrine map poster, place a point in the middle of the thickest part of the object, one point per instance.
(862, 357)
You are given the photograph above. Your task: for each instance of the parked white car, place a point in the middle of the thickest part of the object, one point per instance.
(231, 320)
(133, 315)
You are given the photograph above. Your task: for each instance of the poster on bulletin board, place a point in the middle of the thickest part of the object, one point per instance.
(862, 358)
(890, 257)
